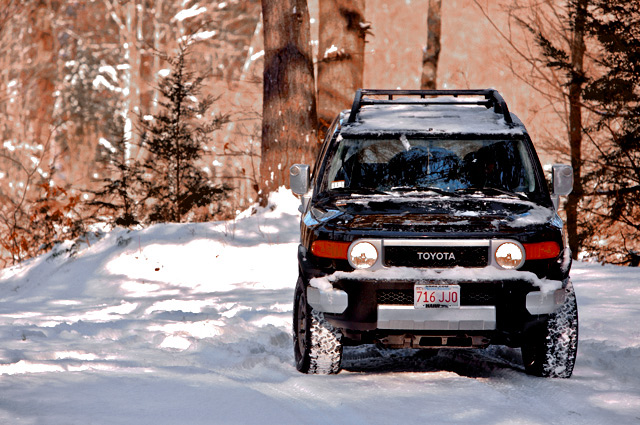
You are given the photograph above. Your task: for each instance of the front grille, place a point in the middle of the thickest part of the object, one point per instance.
(395, 296)
(471, 293)
(436, 256)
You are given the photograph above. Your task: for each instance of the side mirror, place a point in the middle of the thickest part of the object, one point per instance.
(562, 179)
(562, 176)
(299, 177)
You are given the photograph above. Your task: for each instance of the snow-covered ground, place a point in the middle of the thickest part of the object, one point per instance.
(190, 324)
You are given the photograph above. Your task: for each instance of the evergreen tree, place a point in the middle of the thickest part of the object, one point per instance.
(566, 56)
(603, 211)
(121, 190)
(173, 182)
(613, 93)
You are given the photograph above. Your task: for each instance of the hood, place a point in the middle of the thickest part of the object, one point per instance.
(398, 213)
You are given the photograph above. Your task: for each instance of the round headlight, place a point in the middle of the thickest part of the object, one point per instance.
(363, 255)
(509, 256)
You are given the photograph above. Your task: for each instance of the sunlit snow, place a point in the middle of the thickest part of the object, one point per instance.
(191, 324)
(189, 13)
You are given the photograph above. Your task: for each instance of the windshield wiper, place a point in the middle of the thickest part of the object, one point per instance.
(422, 189)
(494, 190)
(356, 190)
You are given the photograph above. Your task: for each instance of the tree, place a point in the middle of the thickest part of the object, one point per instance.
(341, 63)
(556, 62)
(289, 120)
(431, 52)
(121, 191)
(174, 182)
(586, 61)
(73, 66)
(128, 16)
(575, 80)
(613, 92)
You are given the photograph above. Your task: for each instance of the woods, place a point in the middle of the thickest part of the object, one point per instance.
(581, 57)
(143, 111)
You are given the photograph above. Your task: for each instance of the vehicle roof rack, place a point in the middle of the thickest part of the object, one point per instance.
(426, 97)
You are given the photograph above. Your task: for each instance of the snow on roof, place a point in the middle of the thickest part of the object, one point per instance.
(431, 120)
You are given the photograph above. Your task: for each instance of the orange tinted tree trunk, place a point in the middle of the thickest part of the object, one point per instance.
(431, 53)
(289, 120)
(340, 57)
(576, 84)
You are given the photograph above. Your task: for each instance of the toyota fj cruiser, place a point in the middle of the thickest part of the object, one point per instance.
(427, 223)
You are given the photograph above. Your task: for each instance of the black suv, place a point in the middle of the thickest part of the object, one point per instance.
(427, 223)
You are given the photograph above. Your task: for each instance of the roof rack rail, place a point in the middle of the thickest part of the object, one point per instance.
(491, 99)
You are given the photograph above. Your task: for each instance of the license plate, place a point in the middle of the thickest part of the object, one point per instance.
(436, 296)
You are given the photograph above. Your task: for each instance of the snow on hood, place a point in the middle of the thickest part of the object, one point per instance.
(447, 209)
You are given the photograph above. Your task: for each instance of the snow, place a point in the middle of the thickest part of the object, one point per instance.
(430, 119)
(456, 273)
(190, 324)
(189, 13)
(104, 142)
(204, 35)
(109, 70)
(9, 146)
(333, 52)
(100, 80)
(330, 50)
(258, 55)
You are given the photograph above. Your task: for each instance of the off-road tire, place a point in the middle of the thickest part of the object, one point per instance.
(317, 345)
(550, 350)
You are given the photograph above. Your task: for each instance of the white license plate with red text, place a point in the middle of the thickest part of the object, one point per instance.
(436, 296)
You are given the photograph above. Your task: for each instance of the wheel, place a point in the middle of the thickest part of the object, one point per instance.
(317, 345)
(550, 351)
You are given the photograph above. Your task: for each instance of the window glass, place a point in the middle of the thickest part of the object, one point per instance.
(449, 165)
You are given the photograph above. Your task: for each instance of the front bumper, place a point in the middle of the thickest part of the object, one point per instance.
(370, 304)
(469, 318)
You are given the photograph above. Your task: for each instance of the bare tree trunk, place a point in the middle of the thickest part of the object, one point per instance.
(289, 120)
(157, 42)
(431, 53)
(133, 52)
(575, 123)
(341, 57)
(125, 15)
(247, 186)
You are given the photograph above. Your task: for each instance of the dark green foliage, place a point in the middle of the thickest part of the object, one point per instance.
(608, 90)
(613, 94)
(118, 197)
(174, 182)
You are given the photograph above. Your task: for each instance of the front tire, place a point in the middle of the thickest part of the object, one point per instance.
(317, 344)
(550, 351)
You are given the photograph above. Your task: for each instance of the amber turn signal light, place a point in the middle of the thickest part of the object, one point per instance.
(330, 249)
(541, 250)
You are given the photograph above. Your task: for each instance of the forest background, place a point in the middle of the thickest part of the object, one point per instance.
(131, 112)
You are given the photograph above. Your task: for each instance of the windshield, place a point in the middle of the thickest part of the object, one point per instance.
(452, 166)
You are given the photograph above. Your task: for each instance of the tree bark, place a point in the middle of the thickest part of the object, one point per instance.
(575, 122)
(289, 120)
(341, 42)
(431, 53)
(125, 15)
